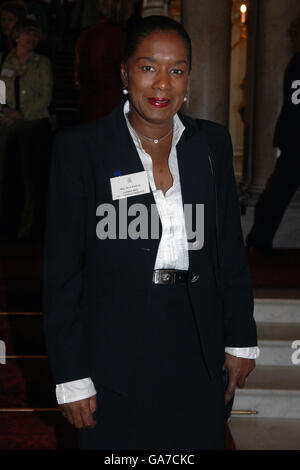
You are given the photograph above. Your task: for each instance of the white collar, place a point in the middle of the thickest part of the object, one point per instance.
(178, 127)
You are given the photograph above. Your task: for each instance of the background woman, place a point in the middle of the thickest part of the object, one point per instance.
(25, 117)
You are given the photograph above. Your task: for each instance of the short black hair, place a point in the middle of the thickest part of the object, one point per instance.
(142, 27)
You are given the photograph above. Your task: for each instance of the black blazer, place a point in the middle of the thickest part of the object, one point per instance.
(96, 292)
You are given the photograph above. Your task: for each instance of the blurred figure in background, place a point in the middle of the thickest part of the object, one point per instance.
(285, 179)
(98, 54)
(83, 14)
(36, 11)
(10, 13)
(25, 117)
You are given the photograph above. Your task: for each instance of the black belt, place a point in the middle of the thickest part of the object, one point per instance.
(169, 276)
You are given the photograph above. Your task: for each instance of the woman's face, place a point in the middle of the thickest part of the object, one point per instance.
(8, 21)
(28, 39)
(157, 75)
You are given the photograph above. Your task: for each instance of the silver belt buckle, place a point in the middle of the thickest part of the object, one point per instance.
(164, 277)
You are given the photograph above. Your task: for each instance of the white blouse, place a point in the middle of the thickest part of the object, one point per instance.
(173, 247)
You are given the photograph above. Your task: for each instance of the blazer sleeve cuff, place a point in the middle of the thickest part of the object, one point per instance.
(247, 353)
(75, 390)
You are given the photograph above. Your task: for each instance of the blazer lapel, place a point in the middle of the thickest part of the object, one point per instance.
(123, 155)
(193, 163)
(125, 160)
(196, 181)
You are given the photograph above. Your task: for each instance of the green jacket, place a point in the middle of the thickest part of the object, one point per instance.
(36, 84)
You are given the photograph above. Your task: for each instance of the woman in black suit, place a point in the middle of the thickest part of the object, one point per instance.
(141, 318)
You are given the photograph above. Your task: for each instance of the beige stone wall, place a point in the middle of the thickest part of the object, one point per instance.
(209, 28)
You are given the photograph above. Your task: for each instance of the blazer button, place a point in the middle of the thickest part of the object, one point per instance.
(195, 278)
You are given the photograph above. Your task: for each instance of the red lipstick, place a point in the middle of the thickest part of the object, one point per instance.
(159, 102)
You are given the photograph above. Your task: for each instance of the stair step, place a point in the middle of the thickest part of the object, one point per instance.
(275, 341)
(278, 331)
(273, 391)
(277, 310)
(277, 293)
(265, 433)
(277, 378)
(277, 353)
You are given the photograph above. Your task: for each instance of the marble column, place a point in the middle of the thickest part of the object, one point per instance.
(273, 52)
(154, 7)
(209, 25)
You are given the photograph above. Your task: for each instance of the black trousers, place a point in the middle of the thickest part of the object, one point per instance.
(274, 200)
(173, 404)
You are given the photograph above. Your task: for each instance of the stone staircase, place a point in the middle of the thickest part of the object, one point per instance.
(273, 389)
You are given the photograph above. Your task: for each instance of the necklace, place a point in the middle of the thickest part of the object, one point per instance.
(156, 141)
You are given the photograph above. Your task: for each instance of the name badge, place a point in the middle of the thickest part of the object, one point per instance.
(7, 73)
(129, 185)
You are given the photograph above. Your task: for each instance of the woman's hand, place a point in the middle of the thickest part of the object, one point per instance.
(80, 413)
(238, 368)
